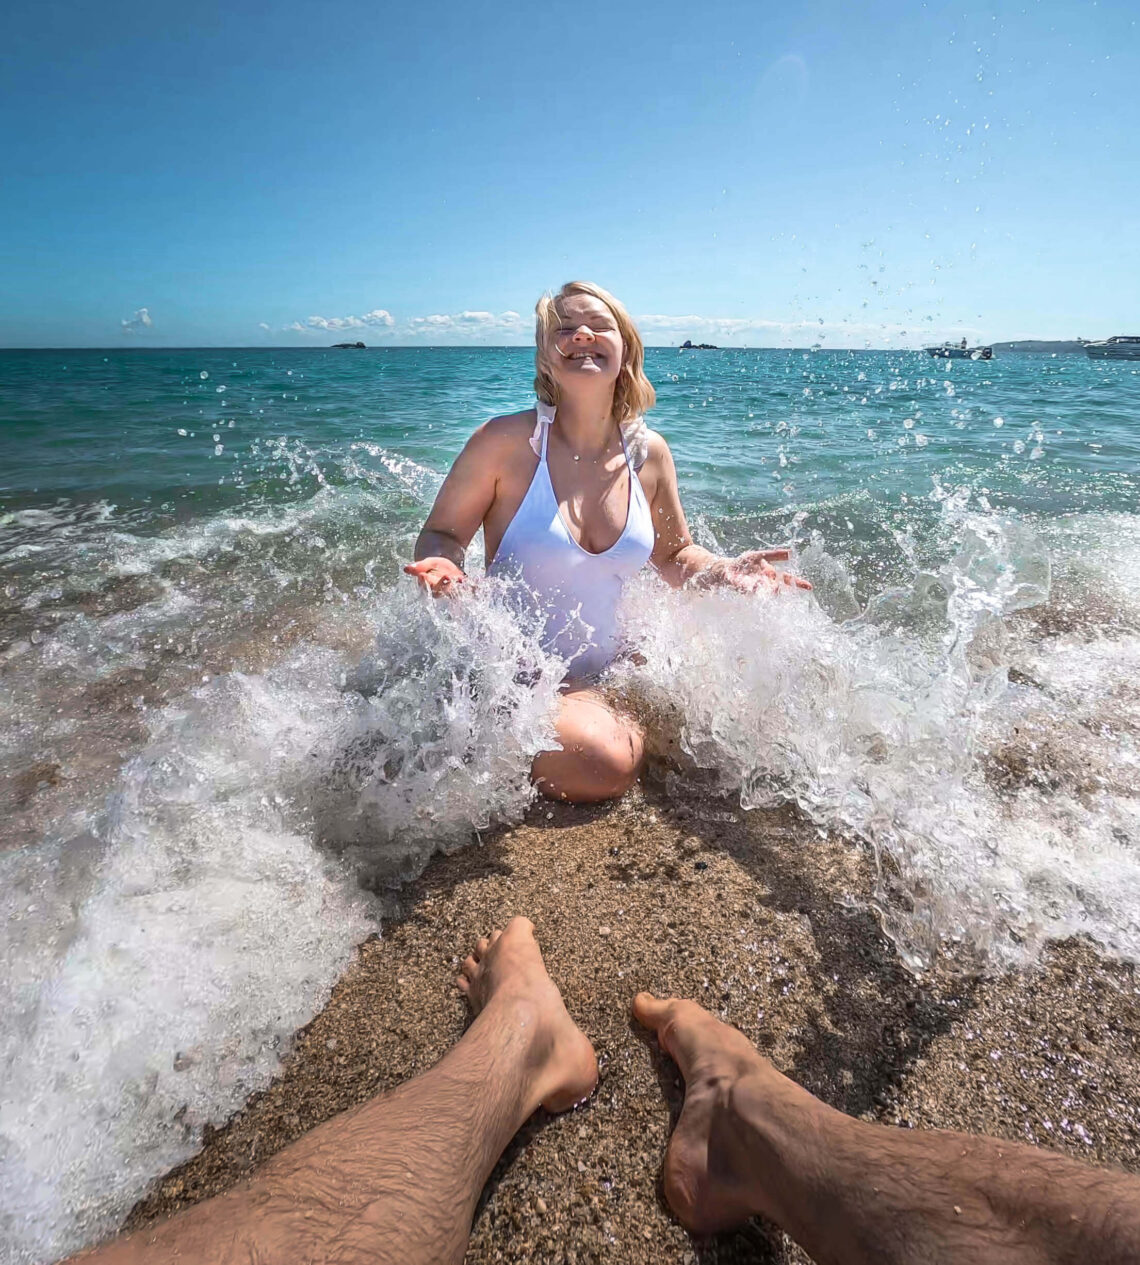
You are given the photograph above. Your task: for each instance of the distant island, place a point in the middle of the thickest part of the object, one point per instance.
(691, 346)
(1042, 344)
(349, 346)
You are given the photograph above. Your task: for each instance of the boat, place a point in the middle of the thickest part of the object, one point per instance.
(960, 351)
(1118, 347)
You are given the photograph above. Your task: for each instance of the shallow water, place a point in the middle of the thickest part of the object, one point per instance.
(230, 722)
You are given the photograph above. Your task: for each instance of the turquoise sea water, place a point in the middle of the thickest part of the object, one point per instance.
(224, 706)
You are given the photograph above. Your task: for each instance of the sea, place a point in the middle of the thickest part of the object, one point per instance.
(232, 726)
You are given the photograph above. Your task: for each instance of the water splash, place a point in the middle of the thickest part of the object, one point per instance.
(875, 727)
(159, 963)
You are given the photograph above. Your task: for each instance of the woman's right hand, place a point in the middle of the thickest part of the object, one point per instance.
(438, 575)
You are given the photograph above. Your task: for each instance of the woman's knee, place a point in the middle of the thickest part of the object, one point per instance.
(600, 759)
(617, 762)
(612, 752)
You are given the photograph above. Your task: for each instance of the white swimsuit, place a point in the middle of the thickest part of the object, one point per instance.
(575, 591)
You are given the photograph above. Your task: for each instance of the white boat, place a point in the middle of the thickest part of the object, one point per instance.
(960, 351)
(1119, 347)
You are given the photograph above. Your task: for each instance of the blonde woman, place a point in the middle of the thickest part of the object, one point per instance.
(575, 496)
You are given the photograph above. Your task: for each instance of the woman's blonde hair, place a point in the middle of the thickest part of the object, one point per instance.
(633, 392)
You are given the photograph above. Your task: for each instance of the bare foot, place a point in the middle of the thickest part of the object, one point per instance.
(505, 981)
(744, 1127)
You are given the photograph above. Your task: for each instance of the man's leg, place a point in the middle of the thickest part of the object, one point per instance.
(397, 1179)
(602, 751)
(750, 1141)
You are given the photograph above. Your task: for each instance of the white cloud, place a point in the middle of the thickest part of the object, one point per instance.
(263, 325)
(140, 320)
(378, 318)
(477, 326)
(468, 325)
(334, 323)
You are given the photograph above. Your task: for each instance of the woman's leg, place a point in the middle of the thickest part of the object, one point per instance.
(602, 751)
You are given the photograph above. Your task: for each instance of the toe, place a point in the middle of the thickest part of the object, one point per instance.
(462, 983)
(481, 947)
(470, 967)
(650, 1011)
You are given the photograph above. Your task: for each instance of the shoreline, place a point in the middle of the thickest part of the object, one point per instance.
(685, 893)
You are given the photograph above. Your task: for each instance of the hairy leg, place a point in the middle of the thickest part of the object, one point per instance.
(397, 1179)
(750, 1141)
(602, 751)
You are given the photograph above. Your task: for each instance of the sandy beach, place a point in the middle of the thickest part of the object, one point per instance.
(755, 915)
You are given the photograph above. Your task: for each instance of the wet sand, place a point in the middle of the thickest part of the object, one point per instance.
(747, 913)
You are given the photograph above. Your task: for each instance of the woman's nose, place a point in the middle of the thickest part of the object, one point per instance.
(583, 334)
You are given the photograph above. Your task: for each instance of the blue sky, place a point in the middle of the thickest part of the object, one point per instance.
(292, 173)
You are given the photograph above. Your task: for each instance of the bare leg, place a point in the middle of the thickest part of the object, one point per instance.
(601, 754)
(750, 1141)
(397, 1179)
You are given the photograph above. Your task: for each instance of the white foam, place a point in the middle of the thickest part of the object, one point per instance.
(157, 964)
(875, 726)
(158, 953)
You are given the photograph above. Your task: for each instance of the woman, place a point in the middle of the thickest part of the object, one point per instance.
(576, 496)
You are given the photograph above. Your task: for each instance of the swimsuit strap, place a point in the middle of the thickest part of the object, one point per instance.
(537, 441)
(625, 450)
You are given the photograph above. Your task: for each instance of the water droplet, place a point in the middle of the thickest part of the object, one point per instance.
(203, 375)
(182, 430)
(999, 421)
(219, 390)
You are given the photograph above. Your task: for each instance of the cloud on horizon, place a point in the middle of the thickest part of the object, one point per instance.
(378, 318)
(476, 327)
(466, 326)
(140, 320)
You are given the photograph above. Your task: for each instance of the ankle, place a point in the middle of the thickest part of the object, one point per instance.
(785, 1141)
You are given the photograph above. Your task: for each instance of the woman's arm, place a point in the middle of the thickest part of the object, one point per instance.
(460, 507)
(678, 560)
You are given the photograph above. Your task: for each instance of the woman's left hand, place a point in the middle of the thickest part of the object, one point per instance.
(753, 571)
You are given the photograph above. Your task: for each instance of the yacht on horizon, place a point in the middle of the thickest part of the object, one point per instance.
(1118, 347)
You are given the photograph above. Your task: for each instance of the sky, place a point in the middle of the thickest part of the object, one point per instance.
(855, 174)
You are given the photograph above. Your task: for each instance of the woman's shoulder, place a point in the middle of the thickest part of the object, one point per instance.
(505, 430)
(509, 426)
(511, 423)
(655, 445)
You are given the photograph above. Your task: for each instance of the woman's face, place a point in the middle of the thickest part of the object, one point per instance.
(586, 345)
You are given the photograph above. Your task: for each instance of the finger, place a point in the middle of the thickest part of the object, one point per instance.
(802, 583)
(775, 555)
(418, 568)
